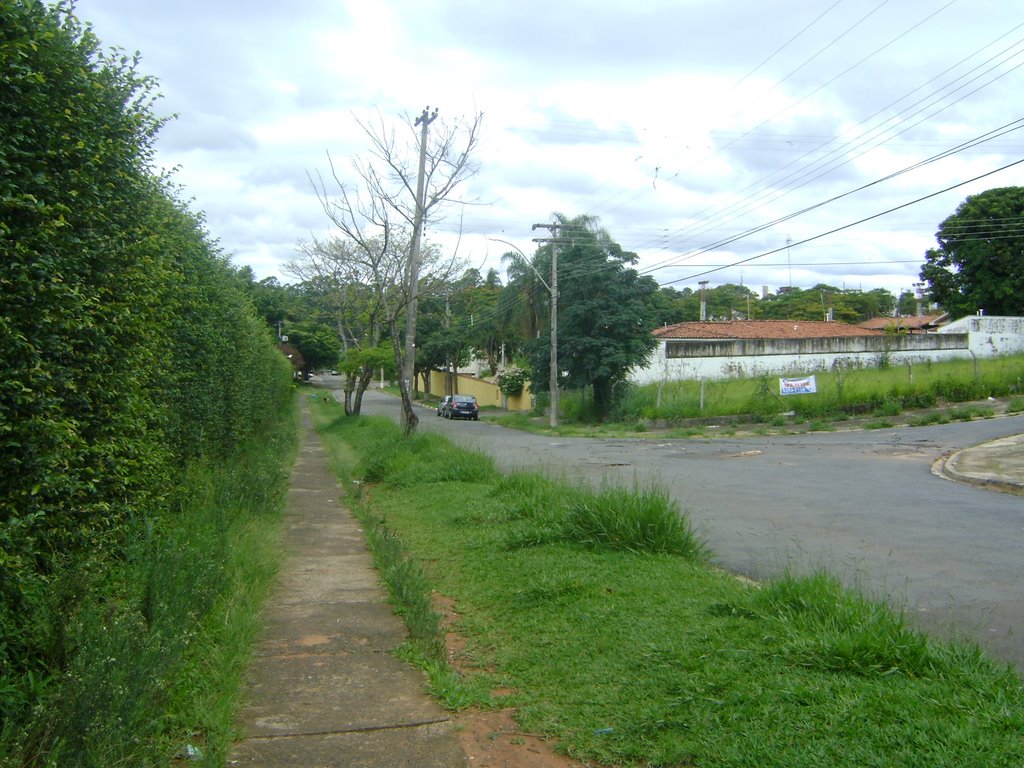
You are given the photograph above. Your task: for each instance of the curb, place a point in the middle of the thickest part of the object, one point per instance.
(948, 466)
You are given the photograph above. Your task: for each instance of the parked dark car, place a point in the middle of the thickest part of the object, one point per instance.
(462, 407)
(443, 405)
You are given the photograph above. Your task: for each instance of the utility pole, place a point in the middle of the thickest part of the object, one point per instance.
(449, 378)
(703, 300)
(789, 261)
(553, 385)
(409, 419)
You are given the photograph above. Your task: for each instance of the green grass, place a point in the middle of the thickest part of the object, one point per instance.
(156, 660)
(755, 405)
(879, 424)
(627, 650)
(886, 391)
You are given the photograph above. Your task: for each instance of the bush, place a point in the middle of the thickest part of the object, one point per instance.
(128, 355)
(512, 380)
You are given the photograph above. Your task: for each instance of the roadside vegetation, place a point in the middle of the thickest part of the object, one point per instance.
(146, 422)
(924, 393)
(595, 613)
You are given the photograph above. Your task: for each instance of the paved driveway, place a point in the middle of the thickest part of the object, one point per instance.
(863, 504)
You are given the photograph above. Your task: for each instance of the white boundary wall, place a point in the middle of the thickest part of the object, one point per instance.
(679, 359)
(990, 336)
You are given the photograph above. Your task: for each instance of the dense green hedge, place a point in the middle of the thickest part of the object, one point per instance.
(127, 347)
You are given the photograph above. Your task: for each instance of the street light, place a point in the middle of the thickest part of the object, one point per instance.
(553, 386)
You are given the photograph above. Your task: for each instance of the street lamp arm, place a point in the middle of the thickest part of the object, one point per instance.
(525, 261)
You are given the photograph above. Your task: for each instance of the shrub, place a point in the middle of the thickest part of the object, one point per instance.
(512, 380)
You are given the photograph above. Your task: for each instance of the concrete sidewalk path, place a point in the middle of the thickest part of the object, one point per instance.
(323, 689)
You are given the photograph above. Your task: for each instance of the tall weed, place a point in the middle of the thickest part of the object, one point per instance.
(642, 521)
(852, 391)
(832, 627)
(144, 651)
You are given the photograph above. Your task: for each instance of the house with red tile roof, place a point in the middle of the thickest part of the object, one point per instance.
(748, 348)
(907, 323)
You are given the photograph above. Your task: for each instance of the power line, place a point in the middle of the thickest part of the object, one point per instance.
(852, 224)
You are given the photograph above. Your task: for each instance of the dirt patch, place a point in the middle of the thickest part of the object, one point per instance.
(493, 738)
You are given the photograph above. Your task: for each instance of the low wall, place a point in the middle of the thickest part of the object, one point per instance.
(990, 336)
(485, 392)
(747, 358)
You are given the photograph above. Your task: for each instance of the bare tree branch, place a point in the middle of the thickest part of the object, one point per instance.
(375, 216)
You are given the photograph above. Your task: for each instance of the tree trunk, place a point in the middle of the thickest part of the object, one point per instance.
(365, 377)
(409, 418)
(602, 398)
(349, 386)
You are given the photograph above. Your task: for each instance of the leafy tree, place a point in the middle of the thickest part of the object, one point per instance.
(358, 284)
(440, 345)
(477, 314)
(726, 302)
(605, 314)
(273, 302)
(671, 305)
(906, 305)
(522, 304)
(846, 306)
(795, 304)
(979, 261)
(318, 344)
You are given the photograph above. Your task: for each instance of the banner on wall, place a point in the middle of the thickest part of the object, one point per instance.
(805, 386)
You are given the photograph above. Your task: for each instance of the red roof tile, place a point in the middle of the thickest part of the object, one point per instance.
(909, 322)
(763, 329)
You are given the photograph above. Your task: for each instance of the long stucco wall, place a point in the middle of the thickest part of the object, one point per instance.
(743, 358)
(990, 336)
(485, 392)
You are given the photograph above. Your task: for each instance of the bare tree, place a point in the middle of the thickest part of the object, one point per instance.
(383, 217)
(348, 279)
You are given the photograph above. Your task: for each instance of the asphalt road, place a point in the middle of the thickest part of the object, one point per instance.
(865, 505)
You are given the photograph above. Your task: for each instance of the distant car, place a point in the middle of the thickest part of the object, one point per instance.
(443, 405)
(462, 407)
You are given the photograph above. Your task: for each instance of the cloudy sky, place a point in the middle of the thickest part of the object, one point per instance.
(762, 142)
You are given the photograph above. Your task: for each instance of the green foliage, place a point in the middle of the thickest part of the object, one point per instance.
(512, 380)
(605, 313)
(127, 352)
(846, 305)
(976, 265)
(635, 521)
(848, 391)
(635, 659)
(318, 344)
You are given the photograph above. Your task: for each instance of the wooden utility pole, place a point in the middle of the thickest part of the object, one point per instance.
(409, 418)
(553, 385)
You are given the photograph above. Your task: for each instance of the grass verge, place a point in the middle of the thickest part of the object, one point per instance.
(628, 649)
(159, 647)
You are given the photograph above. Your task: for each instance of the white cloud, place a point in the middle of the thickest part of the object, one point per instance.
(682, 124)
